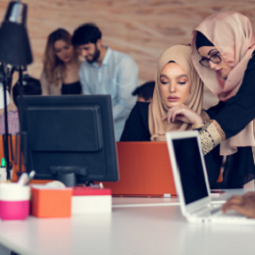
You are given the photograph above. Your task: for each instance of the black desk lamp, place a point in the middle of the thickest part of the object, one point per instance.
(15, 52)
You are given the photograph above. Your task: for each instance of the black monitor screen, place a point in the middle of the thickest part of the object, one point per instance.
(190, 169)
(70, 133)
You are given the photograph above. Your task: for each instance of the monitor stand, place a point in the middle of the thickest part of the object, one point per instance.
(67, 174)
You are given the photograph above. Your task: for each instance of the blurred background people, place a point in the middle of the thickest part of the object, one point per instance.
(106, 71)
(144, 92)
(30, 86)
(60, 66)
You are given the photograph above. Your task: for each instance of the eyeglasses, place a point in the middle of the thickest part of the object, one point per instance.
(215, 58)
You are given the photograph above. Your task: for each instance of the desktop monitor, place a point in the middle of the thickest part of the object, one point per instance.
(69, 138)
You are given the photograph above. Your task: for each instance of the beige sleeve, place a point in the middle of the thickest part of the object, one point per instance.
(44, 85)
(211, 135)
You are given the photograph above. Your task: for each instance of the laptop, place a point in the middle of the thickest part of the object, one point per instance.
(144, 169)
(192, 183)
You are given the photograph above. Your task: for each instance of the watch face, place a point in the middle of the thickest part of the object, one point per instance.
(2, 96)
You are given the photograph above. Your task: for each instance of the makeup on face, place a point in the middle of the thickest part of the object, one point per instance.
(174, 85)
(63, 51)
(211, 58)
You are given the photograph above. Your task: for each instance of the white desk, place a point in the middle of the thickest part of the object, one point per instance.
(133, 230)
(119, 202)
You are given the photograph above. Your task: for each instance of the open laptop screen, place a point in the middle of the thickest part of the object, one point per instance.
(191, 169)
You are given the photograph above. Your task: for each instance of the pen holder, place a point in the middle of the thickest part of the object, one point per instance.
(14, 201)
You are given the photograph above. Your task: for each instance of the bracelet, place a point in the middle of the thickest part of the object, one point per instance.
(211, 135)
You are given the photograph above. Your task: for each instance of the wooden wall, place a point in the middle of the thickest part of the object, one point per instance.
(140, 28)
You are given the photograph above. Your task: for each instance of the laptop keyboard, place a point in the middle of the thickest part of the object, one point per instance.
(213, 213)
(230, 216)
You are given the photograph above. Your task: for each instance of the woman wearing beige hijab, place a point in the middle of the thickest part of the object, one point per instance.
(178, 86)
(177, 83)
(222, 52)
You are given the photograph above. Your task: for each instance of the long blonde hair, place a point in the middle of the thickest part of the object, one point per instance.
(53, 67)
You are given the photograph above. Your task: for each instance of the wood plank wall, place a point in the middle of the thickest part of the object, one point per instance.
(140, 28)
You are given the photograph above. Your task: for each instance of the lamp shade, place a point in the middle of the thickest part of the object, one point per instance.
(14, 42)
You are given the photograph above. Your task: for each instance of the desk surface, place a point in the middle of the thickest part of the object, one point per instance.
(131, 230)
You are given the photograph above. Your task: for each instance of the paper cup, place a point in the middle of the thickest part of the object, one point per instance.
(14, 201)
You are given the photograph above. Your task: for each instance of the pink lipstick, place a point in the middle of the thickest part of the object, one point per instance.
(173, 98)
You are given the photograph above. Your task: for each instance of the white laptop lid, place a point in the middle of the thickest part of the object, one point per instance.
(189, 170)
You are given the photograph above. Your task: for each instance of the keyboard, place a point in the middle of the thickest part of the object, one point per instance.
(231, 217)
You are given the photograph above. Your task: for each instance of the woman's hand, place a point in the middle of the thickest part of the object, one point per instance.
(243, 204)
(184, 114)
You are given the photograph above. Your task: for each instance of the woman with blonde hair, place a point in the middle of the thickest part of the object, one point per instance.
(60, 66)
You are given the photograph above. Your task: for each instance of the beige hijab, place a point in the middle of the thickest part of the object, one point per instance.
(231, 33)
(180, 54)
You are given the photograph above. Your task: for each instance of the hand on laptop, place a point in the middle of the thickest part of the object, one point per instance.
(243, 204)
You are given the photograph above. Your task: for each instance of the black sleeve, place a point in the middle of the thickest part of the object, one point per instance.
(135, 129)
(213, 162)
(214, 110)
(239, 110)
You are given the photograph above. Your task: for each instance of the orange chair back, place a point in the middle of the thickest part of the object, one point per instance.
(144, 170)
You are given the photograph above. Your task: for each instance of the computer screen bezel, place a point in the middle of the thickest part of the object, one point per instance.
(107, 122)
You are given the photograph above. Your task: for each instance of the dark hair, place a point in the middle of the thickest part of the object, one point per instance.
(86, 33)
(201, 40)
(145, 90)
(30, 86)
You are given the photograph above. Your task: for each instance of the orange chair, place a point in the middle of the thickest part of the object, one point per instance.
(15, 163)
(144, 169)
(12, 160)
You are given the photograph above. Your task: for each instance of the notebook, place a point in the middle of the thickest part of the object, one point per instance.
(144, 169)
(192, 183)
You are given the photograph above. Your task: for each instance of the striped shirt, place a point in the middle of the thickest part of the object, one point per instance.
(13, 123)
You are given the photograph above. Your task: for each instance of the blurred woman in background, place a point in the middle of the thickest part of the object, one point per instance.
(60, 66)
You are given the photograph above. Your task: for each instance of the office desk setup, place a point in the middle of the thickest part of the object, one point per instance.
(136, 226)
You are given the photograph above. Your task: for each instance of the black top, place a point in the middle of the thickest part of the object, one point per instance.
(71, 88)
(232, 116)
(137, 124)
